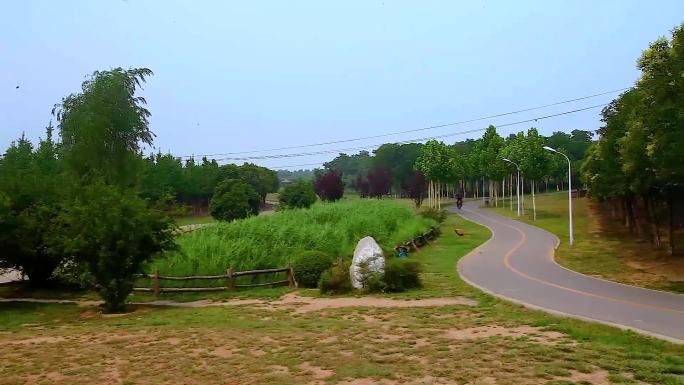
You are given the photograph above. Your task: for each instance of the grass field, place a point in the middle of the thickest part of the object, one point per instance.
(272, 241)
(491, 343)
(601, 249)
(194, 220)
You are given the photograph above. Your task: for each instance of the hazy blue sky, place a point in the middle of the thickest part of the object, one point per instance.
(239, 76)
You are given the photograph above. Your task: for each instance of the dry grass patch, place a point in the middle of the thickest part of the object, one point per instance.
(534, 334)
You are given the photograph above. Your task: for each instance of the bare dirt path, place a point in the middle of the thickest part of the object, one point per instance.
(294, 301)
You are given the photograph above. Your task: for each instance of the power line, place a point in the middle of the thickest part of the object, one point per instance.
(417, 140)
(415, 129)
(296, 165)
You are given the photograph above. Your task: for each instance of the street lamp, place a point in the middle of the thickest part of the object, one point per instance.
(517, 183)
(547, 148)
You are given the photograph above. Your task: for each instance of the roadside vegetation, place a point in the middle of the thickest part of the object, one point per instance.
(636, 167)
(275, 240)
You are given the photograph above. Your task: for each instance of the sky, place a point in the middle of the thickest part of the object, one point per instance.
(232, 77)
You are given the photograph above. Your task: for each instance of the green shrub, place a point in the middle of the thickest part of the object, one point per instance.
(298, 195)
(374, 283)
(309, 266)
(401, 274)
(113, 233)
(234, 199)
(435, 214)
(336, 280)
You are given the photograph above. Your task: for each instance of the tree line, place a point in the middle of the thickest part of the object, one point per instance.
(192, 184)
(636, 168)
(474, 166)
(87, 207)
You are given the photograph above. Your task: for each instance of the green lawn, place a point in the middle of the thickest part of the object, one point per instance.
(194, 220)
(254, 344)
(601, 249)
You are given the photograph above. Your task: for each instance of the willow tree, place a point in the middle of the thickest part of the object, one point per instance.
(103, 127)
(108, 227)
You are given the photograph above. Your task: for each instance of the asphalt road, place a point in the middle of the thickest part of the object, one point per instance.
(517, 264)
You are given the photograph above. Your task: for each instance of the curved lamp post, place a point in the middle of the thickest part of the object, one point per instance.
(517, 183)
(547, 148)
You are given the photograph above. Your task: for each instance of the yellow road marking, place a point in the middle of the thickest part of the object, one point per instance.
(513, 269)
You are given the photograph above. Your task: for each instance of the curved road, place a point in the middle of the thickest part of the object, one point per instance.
(517, 264)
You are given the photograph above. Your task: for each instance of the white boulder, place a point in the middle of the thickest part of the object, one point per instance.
(368, 258)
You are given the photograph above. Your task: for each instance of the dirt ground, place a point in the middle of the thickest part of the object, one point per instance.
(302, 340)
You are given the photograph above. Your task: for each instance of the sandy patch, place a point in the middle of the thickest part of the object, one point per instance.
(278, 369)
(223, 352)
(534, 334)
(38, 340)
(291, 300)
(316, 372)
(596, 378)
(422, 342)
(367, 381)
(430, 380)
(328, 340)
(671, 268)
(310, 304)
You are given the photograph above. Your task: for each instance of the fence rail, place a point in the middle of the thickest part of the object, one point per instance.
(229, 278)
(419, 240)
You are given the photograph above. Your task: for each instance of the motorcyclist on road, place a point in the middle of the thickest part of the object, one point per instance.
(459, 199)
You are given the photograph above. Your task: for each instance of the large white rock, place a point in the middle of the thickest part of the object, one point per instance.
(367, 252)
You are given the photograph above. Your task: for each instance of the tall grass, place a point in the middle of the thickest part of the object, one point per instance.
(273, 241)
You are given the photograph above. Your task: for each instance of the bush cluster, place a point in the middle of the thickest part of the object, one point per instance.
(298, 195)
(400, 274)
(234, 199)
(309, 266)
(436, 215)
(336, 280)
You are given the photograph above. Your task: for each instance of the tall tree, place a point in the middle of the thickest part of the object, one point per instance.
(436, 163)
(32, 191)
(534, 162)
(103, 127)
(379, 181)
(329, 186)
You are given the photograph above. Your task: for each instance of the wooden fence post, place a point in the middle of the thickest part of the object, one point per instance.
(414, 246)
(156, 283)
(290, 276)
(230, 283)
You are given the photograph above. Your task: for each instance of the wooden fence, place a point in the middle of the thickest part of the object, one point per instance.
(229, 278)
(418, 241)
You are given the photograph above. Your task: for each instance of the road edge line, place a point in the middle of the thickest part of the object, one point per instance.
(547, 310)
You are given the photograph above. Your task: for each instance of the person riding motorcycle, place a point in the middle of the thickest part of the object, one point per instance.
(459, 200)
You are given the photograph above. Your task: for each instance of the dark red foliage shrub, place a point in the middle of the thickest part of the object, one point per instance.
(361, 185)
(379, 181)
(415, 187)
(329, 186)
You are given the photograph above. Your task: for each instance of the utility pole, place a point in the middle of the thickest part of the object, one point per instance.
(517, 184)
(547, 148)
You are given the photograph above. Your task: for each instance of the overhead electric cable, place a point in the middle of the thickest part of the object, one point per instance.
(418, 140)
(415, 129)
